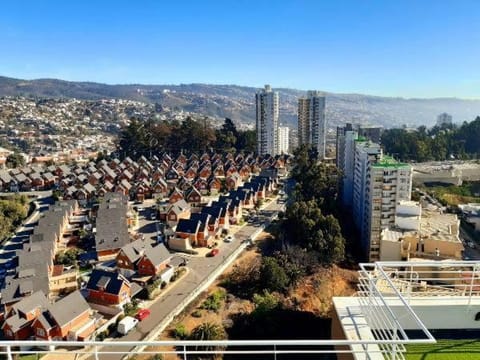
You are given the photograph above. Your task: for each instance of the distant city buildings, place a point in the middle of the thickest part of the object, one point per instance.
(283, 139)
(444, 119)
(312, 121)
(292, 140)
(267, 121)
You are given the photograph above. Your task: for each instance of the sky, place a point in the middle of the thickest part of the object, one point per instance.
(405, 48)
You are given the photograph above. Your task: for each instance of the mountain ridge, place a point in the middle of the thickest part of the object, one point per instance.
(237, 101)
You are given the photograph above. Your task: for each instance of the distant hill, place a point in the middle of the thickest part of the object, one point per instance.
(237, 102)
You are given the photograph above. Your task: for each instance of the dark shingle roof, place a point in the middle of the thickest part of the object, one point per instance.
(188, 226)
(112, 286)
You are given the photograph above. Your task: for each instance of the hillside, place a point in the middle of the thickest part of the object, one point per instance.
(237, 102)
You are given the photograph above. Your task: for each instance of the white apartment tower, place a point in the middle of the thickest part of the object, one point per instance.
(267, 121)
(444, 119)
(312, 125)
(283, 139)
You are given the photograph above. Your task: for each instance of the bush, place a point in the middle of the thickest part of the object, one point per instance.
(156, 357)
(197, 314)
(214, 301)
(180, 333)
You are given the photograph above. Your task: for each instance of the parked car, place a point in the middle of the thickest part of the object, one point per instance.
(229, 239)
(126, 324)
(142, 314)
(153, 216)
(213, 252)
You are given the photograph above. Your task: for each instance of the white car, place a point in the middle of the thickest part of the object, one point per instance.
(229, 239)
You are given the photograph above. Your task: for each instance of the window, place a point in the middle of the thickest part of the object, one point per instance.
(9, 332)
(40, 332)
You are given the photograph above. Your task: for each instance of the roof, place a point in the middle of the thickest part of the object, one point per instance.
(112, 228)
(27, 304)
(388, 161)
(214, 211)
(158, 254)
(204, 219)
(98, 279)
(69, 308)
(188, 226)
(135, 249)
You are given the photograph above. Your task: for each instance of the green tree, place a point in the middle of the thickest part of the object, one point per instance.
(306, 226)
(247, 141)
(265, 302)
(15, 160)
(272, 276)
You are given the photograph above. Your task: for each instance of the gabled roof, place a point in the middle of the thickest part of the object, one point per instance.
(188, 226)
(110, 281)
(135, 250)
(158, 254)
(29, 303)
(69, 308)
(204, 219)
(214, 211)
(179, 207)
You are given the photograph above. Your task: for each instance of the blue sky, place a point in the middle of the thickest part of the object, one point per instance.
(405, 48)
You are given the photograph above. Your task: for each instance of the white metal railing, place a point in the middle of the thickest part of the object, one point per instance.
(183, 349)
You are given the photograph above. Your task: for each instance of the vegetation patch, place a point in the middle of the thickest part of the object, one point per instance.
(445, 350)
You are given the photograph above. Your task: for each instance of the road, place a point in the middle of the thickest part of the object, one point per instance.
(199, 269)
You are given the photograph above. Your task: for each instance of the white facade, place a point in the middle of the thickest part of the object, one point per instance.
(390, 183)
(312, 127)
(267, 121)
(345, 161)
(283, 139)
(365, 153)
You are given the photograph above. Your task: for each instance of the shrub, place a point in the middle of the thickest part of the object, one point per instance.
(197, 314)
(180, 333)
(214, 301)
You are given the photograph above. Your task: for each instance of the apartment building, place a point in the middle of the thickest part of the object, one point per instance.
(421, 233)
(283, 139)
(312, 126)
(345, 156)
(388, 182)
(267, 115)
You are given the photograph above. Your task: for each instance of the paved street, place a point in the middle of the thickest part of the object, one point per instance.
(200, 268)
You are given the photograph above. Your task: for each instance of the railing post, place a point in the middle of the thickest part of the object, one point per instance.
(275, 351)
(471, 284)
(184, 352)
(9, 353)
(95, 352)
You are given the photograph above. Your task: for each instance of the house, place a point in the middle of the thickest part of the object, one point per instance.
(70, 318)
(130, 254)
(175, 195)
(179, 210)
(233, 181)
(154, 260)
(188, 229)
(108, 288)
(17, 325)
(214, 220)
(215, 185)
(223, 220)
(193, 196)
(203, 236)
(111, 225)
(202, 185)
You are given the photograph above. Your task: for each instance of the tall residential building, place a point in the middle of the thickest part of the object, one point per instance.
(346, 137)
(389, 183)
(444, 119)
(267, 121)
(283, 139)
(373, 185)
(365, 154)
(292, 140)
(312, 126)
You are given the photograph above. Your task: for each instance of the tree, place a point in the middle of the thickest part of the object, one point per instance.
(247, 141)
(273, 276)
(226, 136)
(306, 226)
(15, 160)
(265, 302)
